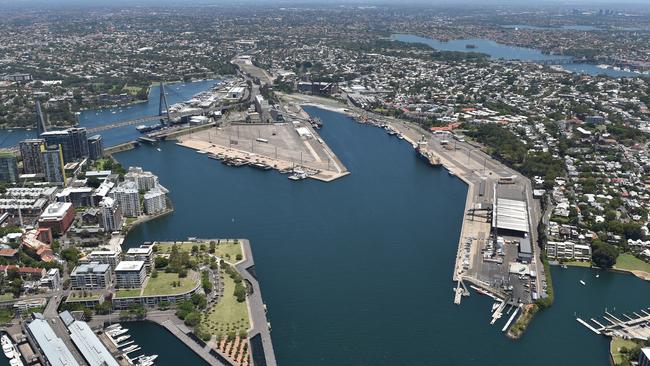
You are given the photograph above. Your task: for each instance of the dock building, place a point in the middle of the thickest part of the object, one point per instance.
(53, 349)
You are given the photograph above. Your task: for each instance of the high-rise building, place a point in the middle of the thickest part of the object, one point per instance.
(155, 201)
(30, 150)
(95, 147)
(128, 198)
(8, 166)
(142, 179)
(79, 142)
(73, 142)
(53, 165)
(110, 215)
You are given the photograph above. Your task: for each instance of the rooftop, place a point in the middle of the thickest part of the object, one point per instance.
(52, 346)
(129, 266)
(56, 210)
(90, 346)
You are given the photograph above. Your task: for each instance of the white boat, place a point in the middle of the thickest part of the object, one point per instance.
(597, 275)
(582, 283)
(122, 338)
(7, 346)
(144, 359)
(118, 332)
(158, 149)
(130, 348)
(113, 326)
(15, 362)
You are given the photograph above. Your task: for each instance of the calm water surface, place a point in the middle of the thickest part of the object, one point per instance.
(506, 52)
(358, 272)
(176, 92)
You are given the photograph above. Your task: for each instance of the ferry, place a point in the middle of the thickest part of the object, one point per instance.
(148, 128)
(7, 346)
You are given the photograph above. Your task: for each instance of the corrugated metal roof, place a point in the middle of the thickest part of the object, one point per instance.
(511, 215)
(53, 348)
(90, 346)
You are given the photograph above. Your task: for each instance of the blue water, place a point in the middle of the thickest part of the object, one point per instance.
(564, 27)
(177, 92)
(358, 271)
(506, 52)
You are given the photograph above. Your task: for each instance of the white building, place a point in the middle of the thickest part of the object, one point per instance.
(130, 274)
(110, 215)
(155, 201)
(144, 254)
(128, 198)
(143, 180)
(568, 251)
(110, 257)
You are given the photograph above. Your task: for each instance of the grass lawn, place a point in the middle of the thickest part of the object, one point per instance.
(5, 316)
(227, 315)
(615, 345)
(162, 285)
(226, 249)
(6, 296)
(127, 293)
(629, 262)
(577, 263)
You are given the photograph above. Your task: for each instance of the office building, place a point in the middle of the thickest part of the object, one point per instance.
(130, 274)
(30, 150)
(8, 167)
(53, 165)
(73, 142)
(95, 147)
(127, 197)
(110, 215)
(58, 216)
(90, 276)
(155, 201)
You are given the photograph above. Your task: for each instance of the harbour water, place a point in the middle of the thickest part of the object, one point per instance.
(506, 52)
(358, 272)
(176, 92)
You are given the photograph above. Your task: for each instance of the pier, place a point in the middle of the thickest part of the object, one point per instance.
(634, 327)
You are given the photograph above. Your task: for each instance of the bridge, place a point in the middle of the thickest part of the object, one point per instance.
(164, 115)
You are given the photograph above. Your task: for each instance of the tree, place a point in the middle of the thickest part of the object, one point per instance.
(192, 319)
(93, 182)
(604, 255)
(161, 262)
(199, 301)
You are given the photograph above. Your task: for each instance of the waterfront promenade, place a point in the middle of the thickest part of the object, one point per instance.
(260, 332)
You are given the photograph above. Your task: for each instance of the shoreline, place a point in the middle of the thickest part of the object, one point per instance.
(639, 274)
